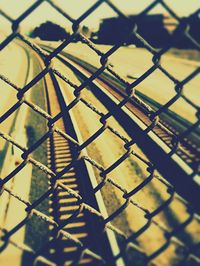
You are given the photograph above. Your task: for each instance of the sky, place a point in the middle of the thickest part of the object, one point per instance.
(76, 7)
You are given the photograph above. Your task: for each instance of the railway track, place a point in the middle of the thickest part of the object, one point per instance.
(177, 161)
(179, 164)
(188, 151)
(64, 206)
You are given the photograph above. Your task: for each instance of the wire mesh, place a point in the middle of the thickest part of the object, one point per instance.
(189, 251)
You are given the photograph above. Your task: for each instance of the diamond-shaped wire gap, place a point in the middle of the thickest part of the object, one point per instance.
(141, 233)
(13, 53)
(6, 25)
(41, 205)
(138, 225)
(81, 110)
(168, 250)
(151, 90)
(75, 8)
(37, 235)
(84, 30)
(177, 7)
(130, 174)
(10, 108)
(180, 218)
(131, 66)
(36, 18)
(7, 123)
(18, 10)
(95, 19)
(178, 66)
(132, 7)
(16, 22)
(190, 91)
(13, 11)
(151, 17)
(10, 126)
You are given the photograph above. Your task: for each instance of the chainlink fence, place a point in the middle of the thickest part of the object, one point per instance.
(185, 181)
